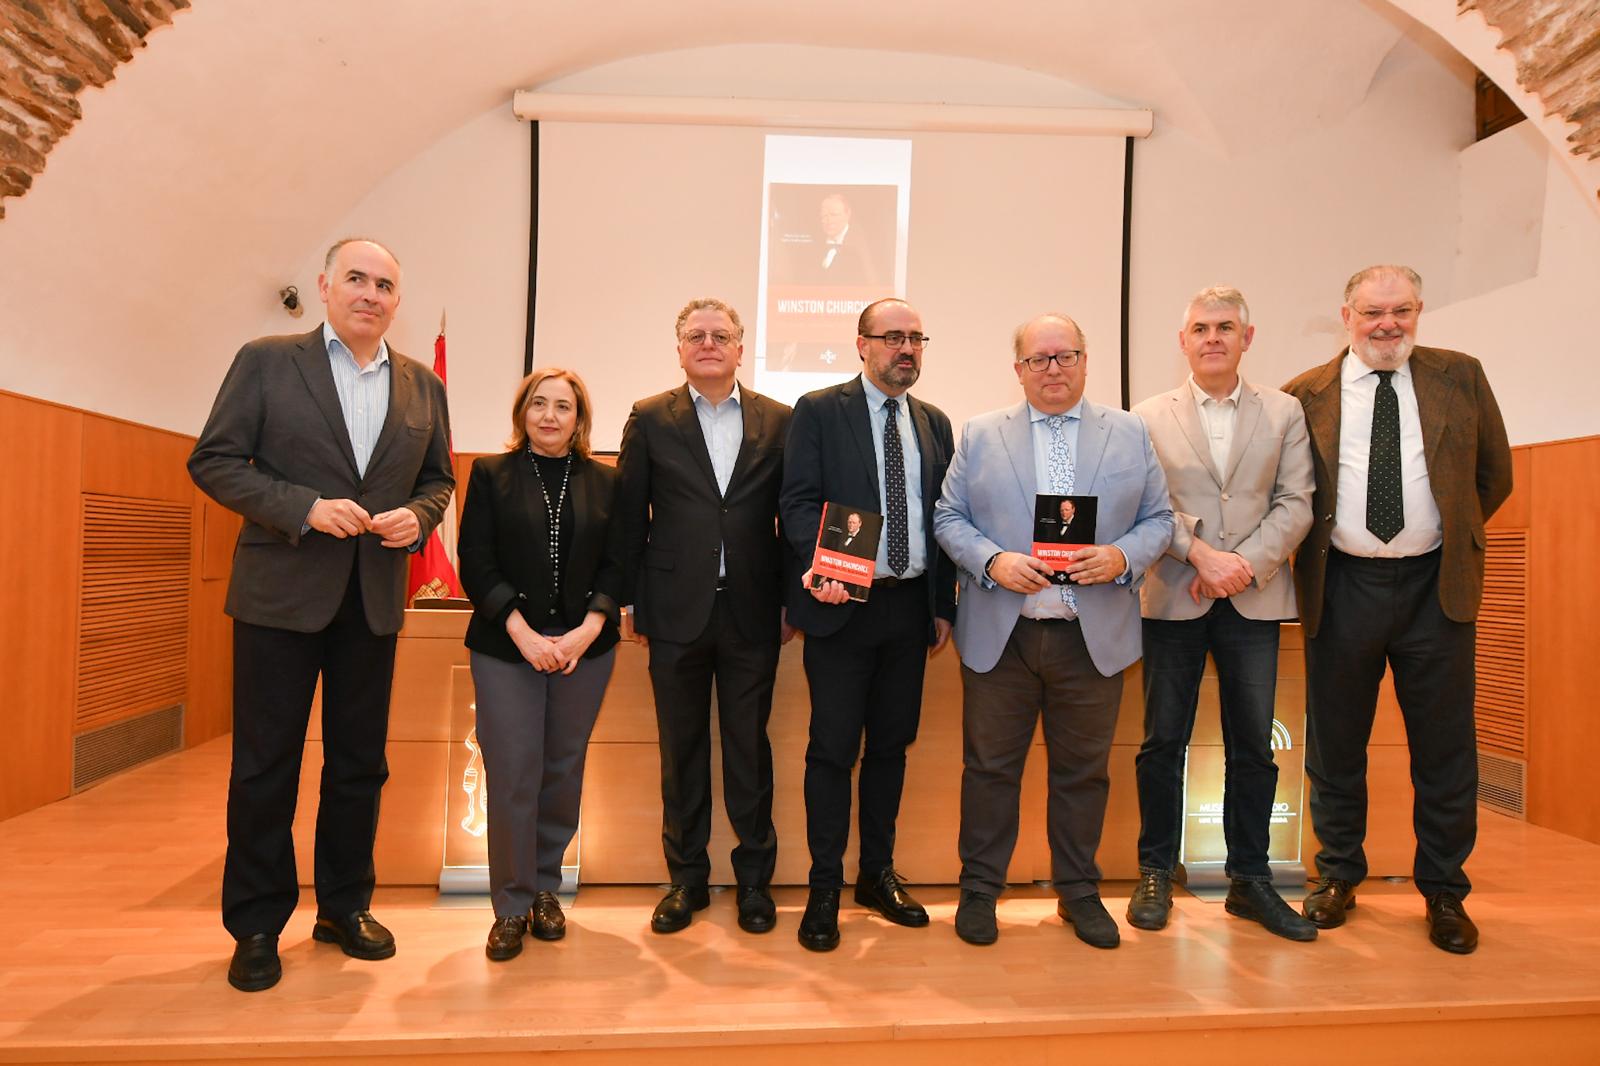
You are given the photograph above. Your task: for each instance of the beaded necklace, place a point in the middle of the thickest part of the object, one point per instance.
(554, 512)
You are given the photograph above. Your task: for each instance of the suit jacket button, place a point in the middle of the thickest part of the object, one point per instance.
(552, 610)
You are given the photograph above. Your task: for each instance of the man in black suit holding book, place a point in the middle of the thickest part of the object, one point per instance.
(867, 444)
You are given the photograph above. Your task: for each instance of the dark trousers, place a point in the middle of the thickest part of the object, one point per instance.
(274, 677)
(1378, 611)
(533, 729)
(743, 667)
(1044, 670)
(1246, 654)
(865, 680)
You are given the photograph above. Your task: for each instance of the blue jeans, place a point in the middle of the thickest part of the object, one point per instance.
(1246, 654)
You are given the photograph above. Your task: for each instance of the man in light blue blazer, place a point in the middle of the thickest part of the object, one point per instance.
(1031, 646)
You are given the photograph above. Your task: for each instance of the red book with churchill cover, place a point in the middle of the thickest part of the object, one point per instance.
(1062, 524)
(847, 549)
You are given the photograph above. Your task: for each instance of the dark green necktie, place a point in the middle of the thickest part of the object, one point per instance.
(1386, 512)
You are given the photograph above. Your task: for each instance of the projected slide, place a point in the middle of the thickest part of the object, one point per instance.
(835, 212)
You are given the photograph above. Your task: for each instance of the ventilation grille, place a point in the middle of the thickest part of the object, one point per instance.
(1502, 784)
(98, 754)
(1501, 709)
(133, 614)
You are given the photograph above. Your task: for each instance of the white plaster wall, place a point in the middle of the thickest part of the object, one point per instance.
(220, 163)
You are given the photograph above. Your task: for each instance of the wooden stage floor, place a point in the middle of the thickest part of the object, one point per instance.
(111, 950)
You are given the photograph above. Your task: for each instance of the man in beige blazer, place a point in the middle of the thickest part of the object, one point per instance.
(1238, 465)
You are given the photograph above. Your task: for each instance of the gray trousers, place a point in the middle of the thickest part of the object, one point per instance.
(533, 729)
(1044, 670)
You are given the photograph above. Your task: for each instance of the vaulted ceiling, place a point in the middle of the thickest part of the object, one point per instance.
(1206, 64)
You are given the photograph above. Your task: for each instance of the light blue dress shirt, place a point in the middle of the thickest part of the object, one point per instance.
(722, 425)
(363, 394)
(1048, 602)
(916, 533)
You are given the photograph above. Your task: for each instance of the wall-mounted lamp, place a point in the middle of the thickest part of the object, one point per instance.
(291, 301)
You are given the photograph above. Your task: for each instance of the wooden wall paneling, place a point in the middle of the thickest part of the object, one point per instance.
(1564, 611)
(1501, 706)
(134, 611)
(43, 443)
(208, 710)
(125, 459)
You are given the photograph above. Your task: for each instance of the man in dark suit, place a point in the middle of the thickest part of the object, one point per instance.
(867, 444)
(335, 450)
(1410, 457)
(697, 493)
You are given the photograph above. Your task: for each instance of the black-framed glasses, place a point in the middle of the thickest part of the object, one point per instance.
(1040, 363)
(895, 339)
(696, 337)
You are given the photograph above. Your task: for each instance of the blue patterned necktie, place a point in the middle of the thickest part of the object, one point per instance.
(1062, 477)
(894, 488)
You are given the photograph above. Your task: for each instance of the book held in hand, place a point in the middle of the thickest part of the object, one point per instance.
(1062, 524)
(847, 548)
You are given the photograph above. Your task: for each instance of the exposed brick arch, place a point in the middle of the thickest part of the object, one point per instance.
(50, 50)
(1556, 44)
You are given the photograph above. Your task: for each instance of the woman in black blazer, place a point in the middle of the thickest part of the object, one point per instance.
(545, 593)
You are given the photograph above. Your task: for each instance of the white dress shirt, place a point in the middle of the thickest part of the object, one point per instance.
(363, 394)
(1423, 531)
(1217, 419)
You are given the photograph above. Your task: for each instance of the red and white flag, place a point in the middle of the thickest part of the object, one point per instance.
(433, 571)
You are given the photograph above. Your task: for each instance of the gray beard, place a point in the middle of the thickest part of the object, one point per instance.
(901, 378)
(1364, 352)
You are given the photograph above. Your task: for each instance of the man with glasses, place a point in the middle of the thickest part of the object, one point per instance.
(1032, 647)
(867, 443)
(1238, 467)
(1410, 459)
(697, 503)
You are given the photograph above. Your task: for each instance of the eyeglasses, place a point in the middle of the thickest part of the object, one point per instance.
(696, 337)
(1378, 314)
(1040, 363)
(895, 339)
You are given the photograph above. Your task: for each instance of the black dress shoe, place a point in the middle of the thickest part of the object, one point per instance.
(255, 964)
(975, 922)
(819, 926)
(756, 911)
(677, 907)
(359, 935)
(505, 938)
(547, 922)
(1448, 925)
(886, 895)
(1151, 902)
(1259, 902)
(1328, 901)
(1089, 920)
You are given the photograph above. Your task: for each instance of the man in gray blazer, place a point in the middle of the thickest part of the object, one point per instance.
(1031, 646)
(335, 450)
(1238, 464)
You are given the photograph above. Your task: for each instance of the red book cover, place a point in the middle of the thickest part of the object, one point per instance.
(847, 548)
(1062, 524)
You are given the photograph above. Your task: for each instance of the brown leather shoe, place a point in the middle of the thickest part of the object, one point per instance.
(255, 964)
(505, 938)
(360, 935)
(1151, 902)
(546, 922)
(1327, 902)
(1448, 925)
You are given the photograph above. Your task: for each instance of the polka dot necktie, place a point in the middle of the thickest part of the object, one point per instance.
(1062, 476)
(894, 488)
(1386, 512)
